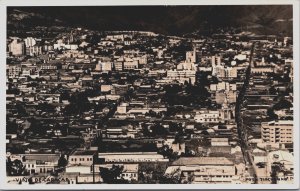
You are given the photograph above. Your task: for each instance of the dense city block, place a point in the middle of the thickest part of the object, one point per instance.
(100, 107)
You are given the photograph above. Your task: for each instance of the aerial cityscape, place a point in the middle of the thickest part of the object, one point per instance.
(149, 95)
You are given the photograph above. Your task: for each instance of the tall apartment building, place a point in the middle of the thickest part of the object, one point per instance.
(191, 56)
(17, 47)
(277, 131)
(29, 41)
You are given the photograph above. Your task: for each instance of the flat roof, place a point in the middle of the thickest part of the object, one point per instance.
(83, 152)
(184, 161)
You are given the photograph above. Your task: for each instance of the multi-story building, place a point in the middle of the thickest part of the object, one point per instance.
(17, 47)
(104, 66)
(29, 41)
(207, 116)
(223, 86)
(130, 64)
(277, 131)
(185, 72)
(118, 66)
(215, 61)
(191, 56)
(13, 71)
(82, 157)
(262, 70)
(34, 50)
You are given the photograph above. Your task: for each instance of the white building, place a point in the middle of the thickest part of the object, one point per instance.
(205, 170)
(219, 142)
(132, 157)
(14, 71)
(39, 163)
(207, 116)
(29, 41)
(191, 56)
(82, 157)
(121, 109)
(104, 66)
(223, 86)
(185, 72)
(17, 47)
(215, 61)
(277, 131)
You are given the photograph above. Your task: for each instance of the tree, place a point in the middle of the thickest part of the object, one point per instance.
(169, 180)
(175, 127)
(11, 127)
(112, 175)
(15, 168)
(79, 103)
(165, 151)
(62, 161)
(36, 127)
(21, 109)
(46, 107)
(282, 104)
(173, 178)
(275, 169)
(64, 129)
(272, 90)
(158, 130)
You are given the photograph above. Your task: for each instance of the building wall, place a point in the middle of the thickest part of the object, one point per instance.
(81, 159)
(208, 117)
(277, 132)
(17, 48)
(131, 157)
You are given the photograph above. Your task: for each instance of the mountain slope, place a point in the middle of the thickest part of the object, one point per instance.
(174, 20)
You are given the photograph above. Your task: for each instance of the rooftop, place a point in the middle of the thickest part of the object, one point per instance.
(84, 152)
(202, 161)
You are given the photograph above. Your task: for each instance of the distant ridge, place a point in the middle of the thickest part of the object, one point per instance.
(168, 20)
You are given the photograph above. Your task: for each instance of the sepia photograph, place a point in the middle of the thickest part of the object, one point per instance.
(196, 95)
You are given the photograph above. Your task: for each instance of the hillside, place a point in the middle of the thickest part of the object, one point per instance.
(173, 20)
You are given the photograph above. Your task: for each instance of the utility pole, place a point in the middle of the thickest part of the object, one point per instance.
(94, 167)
